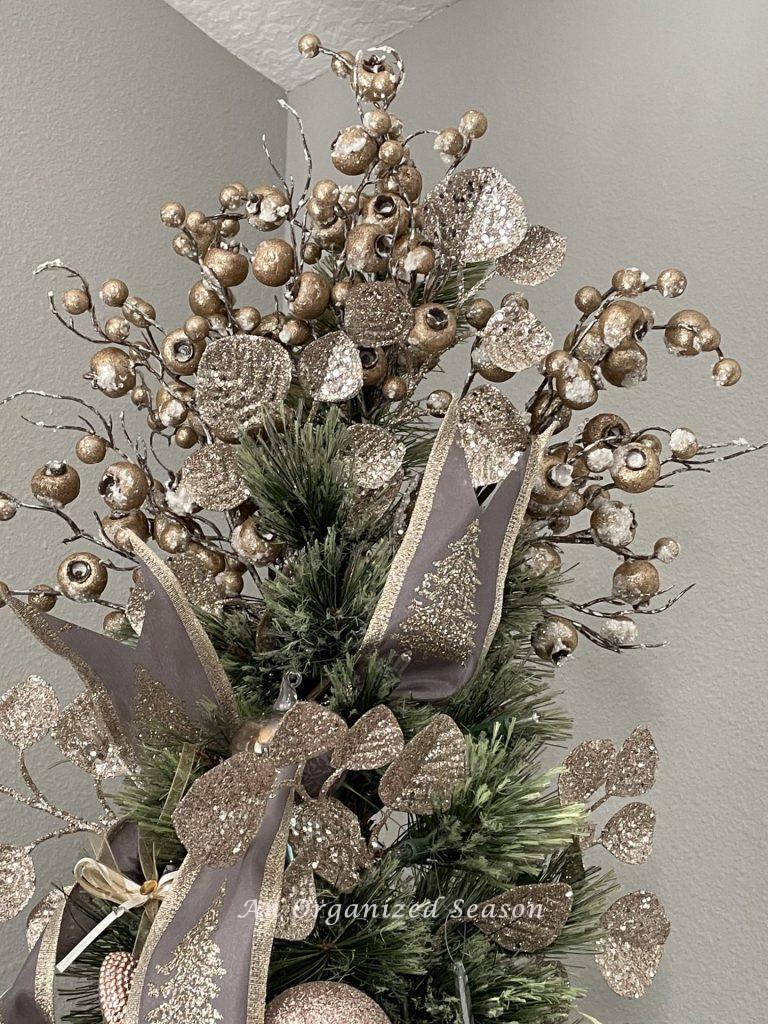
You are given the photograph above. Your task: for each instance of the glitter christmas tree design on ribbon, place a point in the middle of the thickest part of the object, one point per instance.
(441, 619)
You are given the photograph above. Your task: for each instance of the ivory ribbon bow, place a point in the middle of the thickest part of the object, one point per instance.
(107, 883)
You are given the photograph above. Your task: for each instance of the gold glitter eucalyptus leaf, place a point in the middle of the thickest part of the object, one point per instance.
(585, 770)
(197, 582)
(372, 742)
(17, 881)
(514, 339)
(634, 770)
(327, 835)
(80, 736)
(627, 970)
(306, 731)
(492, 433)
(475, 215)
(537, 258)
(241, 380)
(637, 918)
(212, 478)
(422, 777)
(630, 953)
(219, 816)
(372, 455)
(377, 314)
(42, 912)
(330, 369)
(526, 917)
(28, 711)
(628, 835)
(298, 908)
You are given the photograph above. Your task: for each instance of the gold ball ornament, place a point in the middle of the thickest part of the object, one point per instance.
(180, 354)
(575, 386)
(546, 410)
(388, 211)
(635, 581)
(326, 191)
(636, 468)
(310, 295)
(8, 508)
(671, 283)
(726, 373)
(247, 319)
(541, 559)
(368, 249)
(588, 299)
(683, 443)
(473, 124)
(340, 293)
(82, 576)
(56, 483)
(555, 639)
(273, 262)
(553, 481)
(141, 397)
(229, 227)
(625, 366)
(233, 196)
(196, 328)
(709, 338)
(486, 367)
(113, 292)
(391, 152)
(173, 214)
(606, 426)
(375, 365)
(343, 63)
(118, 525)
(478, 312)
(666, 549)
(111, 371)
(186, 436)
(114, 624)
(203, 302)
(229, 583)
(182, 246)
(255, 547)
(324, 1002)
(230, 268)
(43, 599)
(76, 301)
(439, 402)
(296, 333)
(613, 524)
(682, 334)
(629, 281)
(309, 45)
(405, 180)
(267, 207)
(124, 486)
(394, 388)
(171, 534)
(434, 328)
(321, 213)
(212, 561)
(140, 312)
(91, 449)
(618, 322)
(117, 328)
(353, 150)
(449, 143)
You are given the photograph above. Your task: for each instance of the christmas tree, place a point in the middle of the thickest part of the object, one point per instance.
(330, 690)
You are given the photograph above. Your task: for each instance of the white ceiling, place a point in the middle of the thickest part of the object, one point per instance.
(263, 33)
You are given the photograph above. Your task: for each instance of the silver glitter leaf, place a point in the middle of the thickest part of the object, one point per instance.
(377, 314)
(221, 812)
(514, 339)
(372, 742)
(492, 433)
(81, 737)
(306, 731)
(526, 917)
(28, 711)
(240, 381)
(634, 770)
(372, 455)
(211, 476)
(324, 1002)
(629, 954)
(628, 835)
(198, 583)
(475, 215)
(422, 777)
(585, 770)
(327, 834)
(41, 914)
(330, 369)
(298, 908)
(17, 881)
(537, 258)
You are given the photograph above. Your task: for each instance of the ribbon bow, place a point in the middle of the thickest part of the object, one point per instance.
(108, 883)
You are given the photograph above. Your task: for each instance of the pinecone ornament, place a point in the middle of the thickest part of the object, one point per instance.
(115, 979)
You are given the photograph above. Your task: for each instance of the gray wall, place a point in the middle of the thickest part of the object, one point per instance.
(640, 131)
(108, 110)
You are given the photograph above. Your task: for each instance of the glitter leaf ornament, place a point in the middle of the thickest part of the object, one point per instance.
(327, 835)
(324, 1002)
(372, 455)
(474, 215)
(212, 478)
(220, 814)
(372, 742)
(585, 770)
(492, 433)
(630, 953)
(306, 731)
(115, 977)
(537, 258)
(17, 881)
(28, 711)
(634, 770)
(422, 777)
(198, 583)
(240, 381)
(330, 369)
(377, 314)
(628, 835)
(514, 339)
(80, 736)
(526, 917)
(298, 908)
